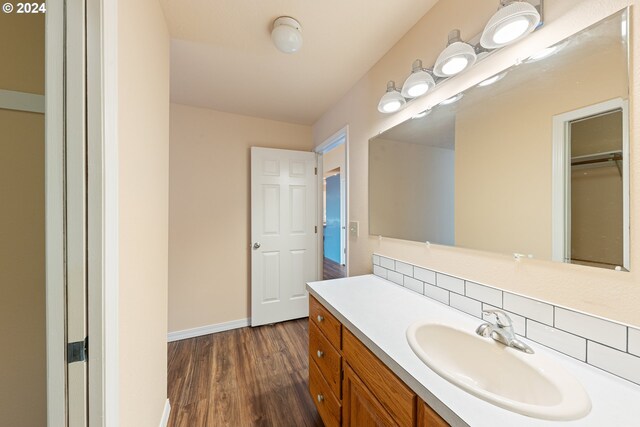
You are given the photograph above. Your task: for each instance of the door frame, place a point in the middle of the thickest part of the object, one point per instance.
(102, 213)
(339, 137)
(54, 215)
(560, 208)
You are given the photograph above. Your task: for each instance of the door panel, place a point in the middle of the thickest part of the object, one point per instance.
(283, 233)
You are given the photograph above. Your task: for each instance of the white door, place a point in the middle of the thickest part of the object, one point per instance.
(284, 233)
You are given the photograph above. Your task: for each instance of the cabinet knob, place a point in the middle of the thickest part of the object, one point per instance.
(320, 353)
(320, 318)
(320, 398)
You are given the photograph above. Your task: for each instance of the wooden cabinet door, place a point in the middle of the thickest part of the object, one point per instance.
(427, 417)
(360, 408)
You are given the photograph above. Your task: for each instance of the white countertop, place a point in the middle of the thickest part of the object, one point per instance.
(379, 312)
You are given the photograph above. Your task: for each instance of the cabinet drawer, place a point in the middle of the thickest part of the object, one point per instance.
(394, 395)
(328, 324)
(326, 358)
(328, 406)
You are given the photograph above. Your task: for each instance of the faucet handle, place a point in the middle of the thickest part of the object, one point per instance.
(502, 318)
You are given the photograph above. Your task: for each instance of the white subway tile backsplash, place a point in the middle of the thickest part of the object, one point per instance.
(379, 271)
(424, 275)
(592, 328)
(450, 283)
(529, 308)
(483, 293)
(395, 277)
(436, 293)
(387, 263)
(467, 305)
(634, 341)
(581, 336)
(413, 284)
(404, 268)
(519, 322)
(559, 340)
(622, 364)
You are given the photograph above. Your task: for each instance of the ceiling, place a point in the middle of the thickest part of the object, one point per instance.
(222, 57)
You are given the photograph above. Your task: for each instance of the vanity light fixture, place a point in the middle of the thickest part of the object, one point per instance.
(287, 34)
(419, 82)
(453, 99)
(514, 20)
(455, 58)
(392, 100)
(491, 80)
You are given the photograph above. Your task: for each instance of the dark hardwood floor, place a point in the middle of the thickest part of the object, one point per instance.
(332, 270)
(244, 377)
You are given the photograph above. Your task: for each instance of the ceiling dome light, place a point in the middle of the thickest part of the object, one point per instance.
(455, 58)
(491, 80)
(392, 100)
(418, 83)
(453, 99)
(287, 34)
(513, 21)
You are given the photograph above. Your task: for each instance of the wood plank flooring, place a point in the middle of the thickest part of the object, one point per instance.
(244, 377)
(332, 270)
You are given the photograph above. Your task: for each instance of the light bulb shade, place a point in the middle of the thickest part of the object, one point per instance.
(392, 100)
(544, 53)
(287, 34)
(453, 99)
(509, 24)
(492, 80)
(456, 57)
(417, 84)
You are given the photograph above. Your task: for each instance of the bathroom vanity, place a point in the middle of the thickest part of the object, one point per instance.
(351, 386)
(362, 370)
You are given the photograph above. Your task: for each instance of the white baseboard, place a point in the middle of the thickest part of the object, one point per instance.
(206, 330)
(165, 414)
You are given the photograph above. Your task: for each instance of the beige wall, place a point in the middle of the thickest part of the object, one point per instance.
(601, 292)
(22, 251)
(504, 153)
(333, 159)
(22, 52)
(209, 234)
(143, 150)
(412, 191)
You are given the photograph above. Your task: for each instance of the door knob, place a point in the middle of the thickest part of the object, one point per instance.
(256, 245)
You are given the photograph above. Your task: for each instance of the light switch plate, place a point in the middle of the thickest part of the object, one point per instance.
(354, 228)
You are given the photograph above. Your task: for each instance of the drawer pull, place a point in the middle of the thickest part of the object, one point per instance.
(320, 354)
(320, 318)
(320, 398)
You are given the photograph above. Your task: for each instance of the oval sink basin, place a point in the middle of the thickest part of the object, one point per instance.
(529, 384)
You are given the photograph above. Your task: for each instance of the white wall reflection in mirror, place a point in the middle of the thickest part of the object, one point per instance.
(482, 172)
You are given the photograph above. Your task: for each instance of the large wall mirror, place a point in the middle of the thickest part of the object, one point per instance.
(534, 162)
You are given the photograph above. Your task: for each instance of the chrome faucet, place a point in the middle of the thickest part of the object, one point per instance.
(502, 331)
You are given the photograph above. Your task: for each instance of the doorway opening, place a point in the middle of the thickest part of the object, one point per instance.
(333, 164)
(591, 186)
